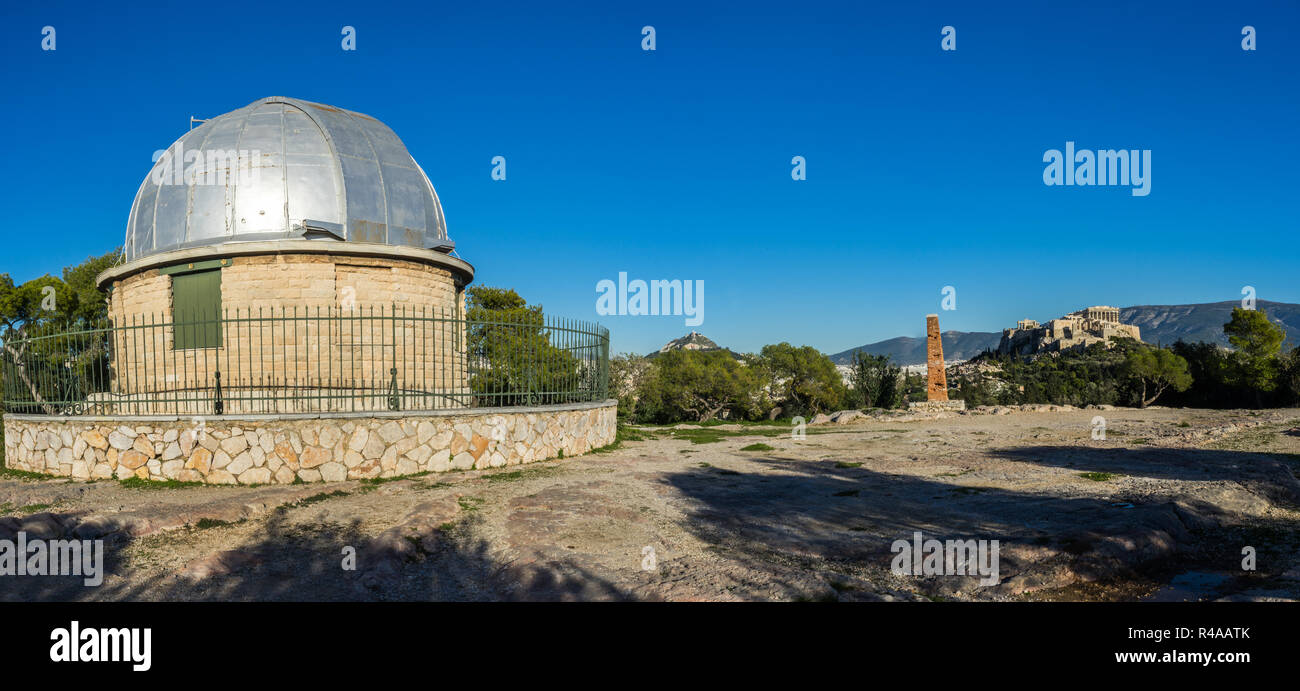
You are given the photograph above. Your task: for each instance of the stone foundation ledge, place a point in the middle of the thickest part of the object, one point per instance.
(936, 406)
(269, 449)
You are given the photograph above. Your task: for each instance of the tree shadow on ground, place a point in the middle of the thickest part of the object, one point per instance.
(816, 522)
(1269, 475)
(797, 530)
(305, 563)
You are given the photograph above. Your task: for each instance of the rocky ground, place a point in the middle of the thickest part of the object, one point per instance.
(1160, 509)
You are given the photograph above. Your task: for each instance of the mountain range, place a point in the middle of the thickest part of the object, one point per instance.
(1160, 324)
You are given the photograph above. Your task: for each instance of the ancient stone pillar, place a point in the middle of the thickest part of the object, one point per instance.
(937, 388)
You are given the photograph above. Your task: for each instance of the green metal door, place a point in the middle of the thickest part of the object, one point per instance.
(196, 309)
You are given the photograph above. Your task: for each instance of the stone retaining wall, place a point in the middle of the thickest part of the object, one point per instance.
(313, 448)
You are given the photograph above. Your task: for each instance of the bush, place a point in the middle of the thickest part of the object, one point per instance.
(874, 381)
(699, 386)
(802, 380)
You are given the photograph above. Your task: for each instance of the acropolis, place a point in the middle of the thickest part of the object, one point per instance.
(1075, 330)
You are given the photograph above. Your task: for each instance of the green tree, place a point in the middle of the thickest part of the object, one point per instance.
(627, 378)
(88, 304)
(974, 391)
(1289, 381)
(28, 307)
(512, 359)
(699, 385)
(915, 387)
(875, 380)
(48, 304)
(74, 300)
(802, 379)
(1079, 377)
(1257, 342)
(482, 302)
(1212, 383)
(1156, 369)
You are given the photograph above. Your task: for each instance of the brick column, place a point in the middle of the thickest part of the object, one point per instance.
(937, 385)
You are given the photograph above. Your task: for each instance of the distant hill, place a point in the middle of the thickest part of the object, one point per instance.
(1166, 324)
(906, 350)
(691, 341)
(1162, 324)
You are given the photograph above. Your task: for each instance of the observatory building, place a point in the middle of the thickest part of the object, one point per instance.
(289, 307)
(262, 219)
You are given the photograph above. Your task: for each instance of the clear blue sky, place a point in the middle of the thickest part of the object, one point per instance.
(924, 167)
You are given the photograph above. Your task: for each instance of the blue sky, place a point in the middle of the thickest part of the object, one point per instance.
(924, 167)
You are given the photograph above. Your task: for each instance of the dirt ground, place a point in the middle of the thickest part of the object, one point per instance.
(1161, 509)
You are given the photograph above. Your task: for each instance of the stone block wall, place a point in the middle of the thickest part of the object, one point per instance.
(305, 281)
(936, 406)
(265, 450)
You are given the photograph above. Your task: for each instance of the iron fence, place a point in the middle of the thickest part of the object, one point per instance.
(293, 360)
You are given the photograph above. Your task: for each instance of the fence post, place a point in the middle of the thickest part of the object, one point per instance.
(604, 366)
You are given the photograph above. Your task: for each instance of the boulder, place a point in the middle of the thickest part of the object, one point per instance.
(844, 416)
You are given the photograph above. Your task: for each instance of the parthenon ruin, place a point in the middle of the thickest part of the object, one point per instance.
(1097, 324)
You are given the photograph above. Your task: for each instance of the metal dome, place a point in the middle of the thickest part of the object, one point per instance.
(284, 168)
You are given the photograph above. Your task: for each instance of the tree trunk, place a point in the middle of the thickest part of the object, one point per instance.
(707, 408)
(1146, 402)
(22, 374)
(710, 413)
